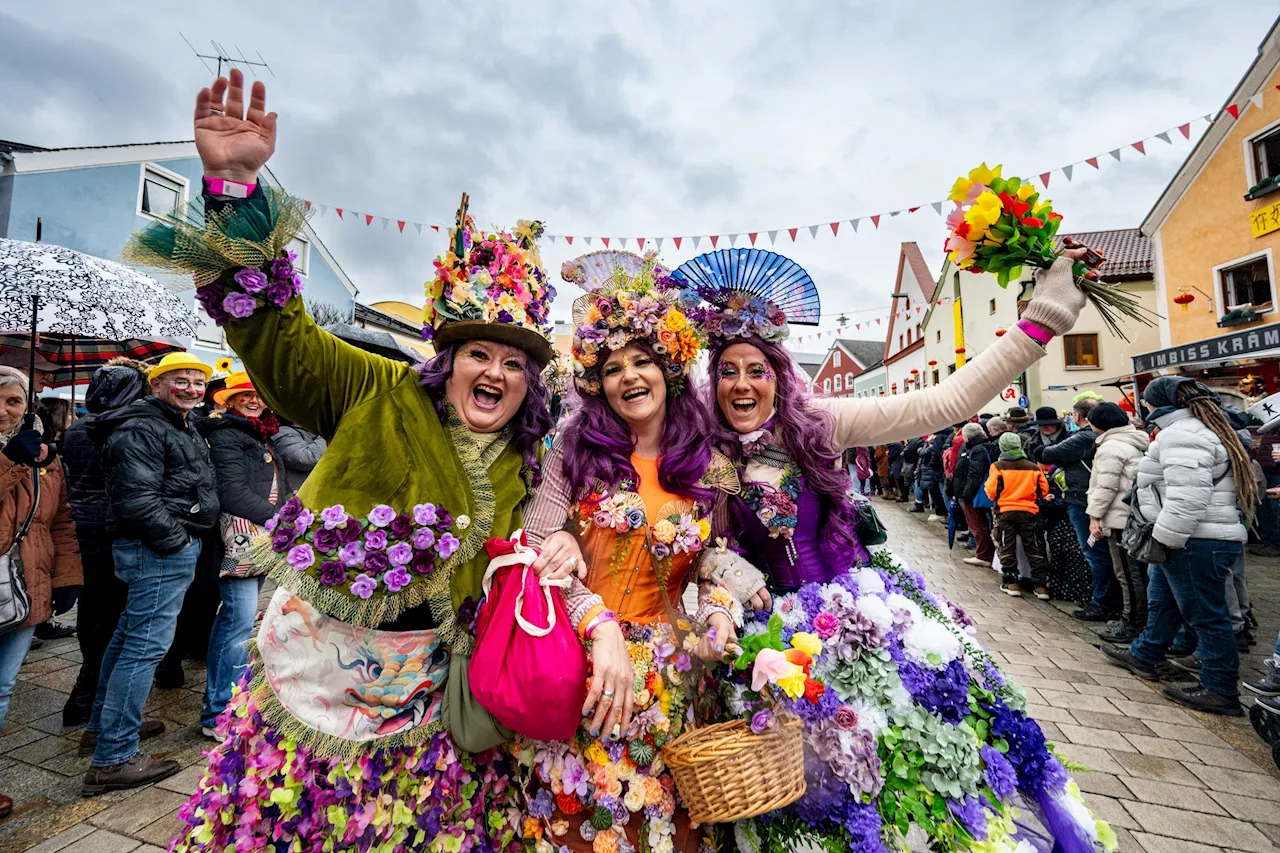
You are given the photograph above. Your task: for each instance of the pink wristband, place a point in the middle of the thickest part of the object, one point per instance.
(1039, 334)
(230, 189)
(602, 617)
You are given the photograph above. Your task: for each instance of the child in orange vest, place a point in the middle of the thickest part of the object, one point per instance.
(1015, 485)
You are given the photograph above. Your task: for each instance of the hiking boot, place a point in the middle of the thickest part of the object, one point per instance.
(137, 771)
(975, 561)
(1269, 684)
(1042, 593)
(54, 631)
(1119, 631)
(1185, 663)
(1265, 717)
(1092, 613)
(148, 730)
(1011, 589)
(1197, 698)
(1121, 656)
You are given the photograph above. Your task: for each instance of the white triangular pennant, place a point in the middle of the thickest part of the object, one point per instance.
(384, 222)
(1115, 152)
(551, 237)
(1209, 117)
(696, 241)
(1067, 170)
(588, 239)
(418, 225)
(937, 207)
(773, 237)
(622, 241)
(1257, 99)
(658, 240)
(813, 231)
(733, 239)
(324, 208)
(1164, 137)
(854, 223)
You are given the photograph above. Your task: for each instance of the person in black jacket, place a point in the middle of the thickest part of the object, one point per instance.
(250, 491)
(117, 384)
(910, 471)
(161, 497)
(1074, 455)
(299, 450)
(895, 470)
(970, 478)
(932, 473)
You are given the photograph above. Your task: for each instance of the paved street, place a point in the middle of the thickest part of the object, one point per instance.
(1168, 780)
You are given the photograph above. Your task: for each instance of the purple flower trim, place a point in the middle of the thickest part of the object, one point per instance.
(249, 290)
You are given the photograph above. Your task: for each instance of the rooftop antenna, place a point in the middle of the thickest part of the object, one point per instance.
(222, 55)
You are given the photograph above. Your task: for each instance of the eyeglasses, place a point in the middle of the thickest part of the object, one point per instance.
(185, 384)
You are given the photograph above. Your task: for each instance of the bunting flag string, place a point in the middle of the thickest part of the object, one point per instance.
(792, 233)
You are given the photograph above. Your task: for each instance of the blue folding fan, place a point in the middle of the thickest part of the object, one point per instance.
(714, 276)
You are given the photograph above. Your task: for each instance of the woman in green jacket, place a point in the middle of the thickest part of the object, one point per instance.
(354, 728)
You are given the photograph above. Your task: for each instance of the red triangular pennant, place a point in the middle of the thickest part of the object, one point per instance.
(912, 209)
(368, 219)
(1092, 161)
(435, 228)
(752, 236)
(568, 239)
(939, 302)
(640, 243)
(307, 203)
(877, 321)
(835, 229)
(1141, 147)
(1234, 109)
(792, 232)
(400, 222)
(605, 241)
(1185, 129)
(677, 241)
(875, 220)
(338, 211)
(1044, 179)
(857, 325)
(714, 239)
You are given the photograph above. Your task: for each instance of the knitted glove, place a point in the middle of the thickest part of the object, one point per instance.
(64, 598)
(24, 448)
(732, 572)
(1057, 301)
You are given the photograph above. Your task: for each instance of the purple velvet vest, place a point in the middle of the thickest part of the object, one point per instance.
(773, 556)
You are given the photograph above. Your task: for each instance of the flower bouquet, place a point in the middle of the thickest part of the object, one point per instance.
(1001, 224)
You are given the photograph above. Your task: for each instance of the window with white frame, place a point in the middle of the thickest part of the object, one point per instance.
(848, 380)
(208, 334)
(160, 191)
(1246, 283)
(835, 357)
(839, 381)
(1266, 155)
(826, 386)
(301, 247)
(938, 339)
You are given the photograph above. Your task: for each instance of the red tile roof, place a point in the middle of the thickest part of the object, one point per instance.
(921, 270)
(1127, 251)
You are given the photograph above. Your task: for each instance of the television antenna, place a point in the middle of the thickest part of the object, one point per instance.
(222, 55)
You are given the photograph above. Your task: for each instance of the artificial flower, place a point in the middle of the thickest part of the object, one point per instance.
(807, 643)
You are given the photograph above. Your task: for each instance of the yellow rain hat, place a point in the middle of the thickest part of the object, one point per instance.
(179, 361)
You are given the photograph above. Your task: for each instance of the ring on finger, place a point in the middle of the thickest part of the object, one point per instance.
(215, 111)
(608, 693)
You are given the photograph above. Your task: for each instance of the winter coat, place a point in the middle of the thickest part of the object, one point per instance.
(1185, 484)
(862, 462)
(882, 462)
(911, 459)
(1115, 464)
(974, 467)
(160, 485)
(244, 466)
(1074, 455)
(930, 467)
(1034, 441)
(1263, 443)
(1016, 485)
(299, 450)
(951, 456)
(895, 460)
(50, 553)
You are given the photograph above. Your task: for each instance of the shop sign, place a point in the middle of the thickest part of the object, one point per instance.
(1266, 220)
(1237, 345)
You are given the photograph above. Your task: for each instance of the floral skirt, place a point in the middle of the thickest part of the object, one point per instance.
(262, 791)
(595, 793)
(908, 723)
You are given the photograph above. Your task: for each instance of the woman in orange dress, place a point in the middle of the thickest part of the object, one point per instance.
(628, 490)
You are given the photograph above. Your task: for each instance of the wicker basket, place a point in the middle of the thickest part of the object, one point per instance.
(726, 772)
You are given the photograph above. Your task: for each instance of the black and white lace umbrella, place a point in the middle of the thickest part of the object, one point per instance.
(85, 296)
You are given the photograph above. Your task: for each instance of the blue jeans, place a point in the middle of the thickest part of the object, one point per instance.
(1106, 592)
(1191, 586)
(157, 584)
(13, 651)
(228, 654)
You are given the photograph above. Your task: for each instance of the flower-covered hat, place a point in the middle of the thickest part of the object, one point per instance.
(491, 287)
(629, 298)
(749, 292)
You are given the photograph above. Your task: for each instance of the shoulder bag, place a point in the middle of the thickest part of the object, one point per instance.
(1138, 538)
(15, 601)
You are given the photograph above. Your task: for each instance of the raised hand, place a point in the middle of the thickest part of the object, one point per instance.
(234, 144)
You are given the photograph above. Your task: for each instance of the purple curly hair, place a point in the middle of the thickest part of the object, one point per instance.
(598, 443)
(532, 421)
(805, 432)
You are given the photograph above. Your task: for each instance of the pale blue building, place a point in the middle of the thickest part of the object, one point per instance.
(92, 199)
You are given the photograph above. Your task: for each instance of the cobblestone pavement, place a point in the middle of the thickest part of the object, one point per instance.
(1168, 780)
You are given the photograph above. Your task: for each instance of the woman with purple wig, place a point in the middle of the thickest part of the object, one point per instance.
(354, 727)
(907, 720)
(632, 480)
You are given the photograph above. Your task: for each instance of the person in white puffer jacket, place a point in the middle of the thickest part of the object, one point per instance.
(1192, 483)
(1118, 449)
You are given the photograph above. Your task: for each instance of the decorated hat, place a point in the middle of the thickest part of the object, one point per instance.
(750, 292)
(179, 361)
(491, 286)
(629, 298)
(236, 383)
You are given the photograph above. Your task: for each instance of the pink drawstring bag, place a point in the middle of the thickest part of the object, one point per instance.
(529, 669)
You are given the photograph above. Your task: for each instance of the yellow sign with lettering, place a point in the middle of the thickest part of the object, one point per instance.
(1266, 220)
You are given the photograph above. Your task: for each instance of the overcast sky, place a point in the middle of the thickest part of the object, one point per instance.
(655, 118)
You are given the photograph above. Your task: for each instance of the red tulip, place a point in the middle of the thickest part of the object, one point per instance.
(1032, 222)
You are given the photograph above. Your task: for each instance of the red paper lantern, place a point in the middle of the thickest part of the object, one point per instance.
(959, 350)
(933, 362)
(1184, 299)
(915, 372)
